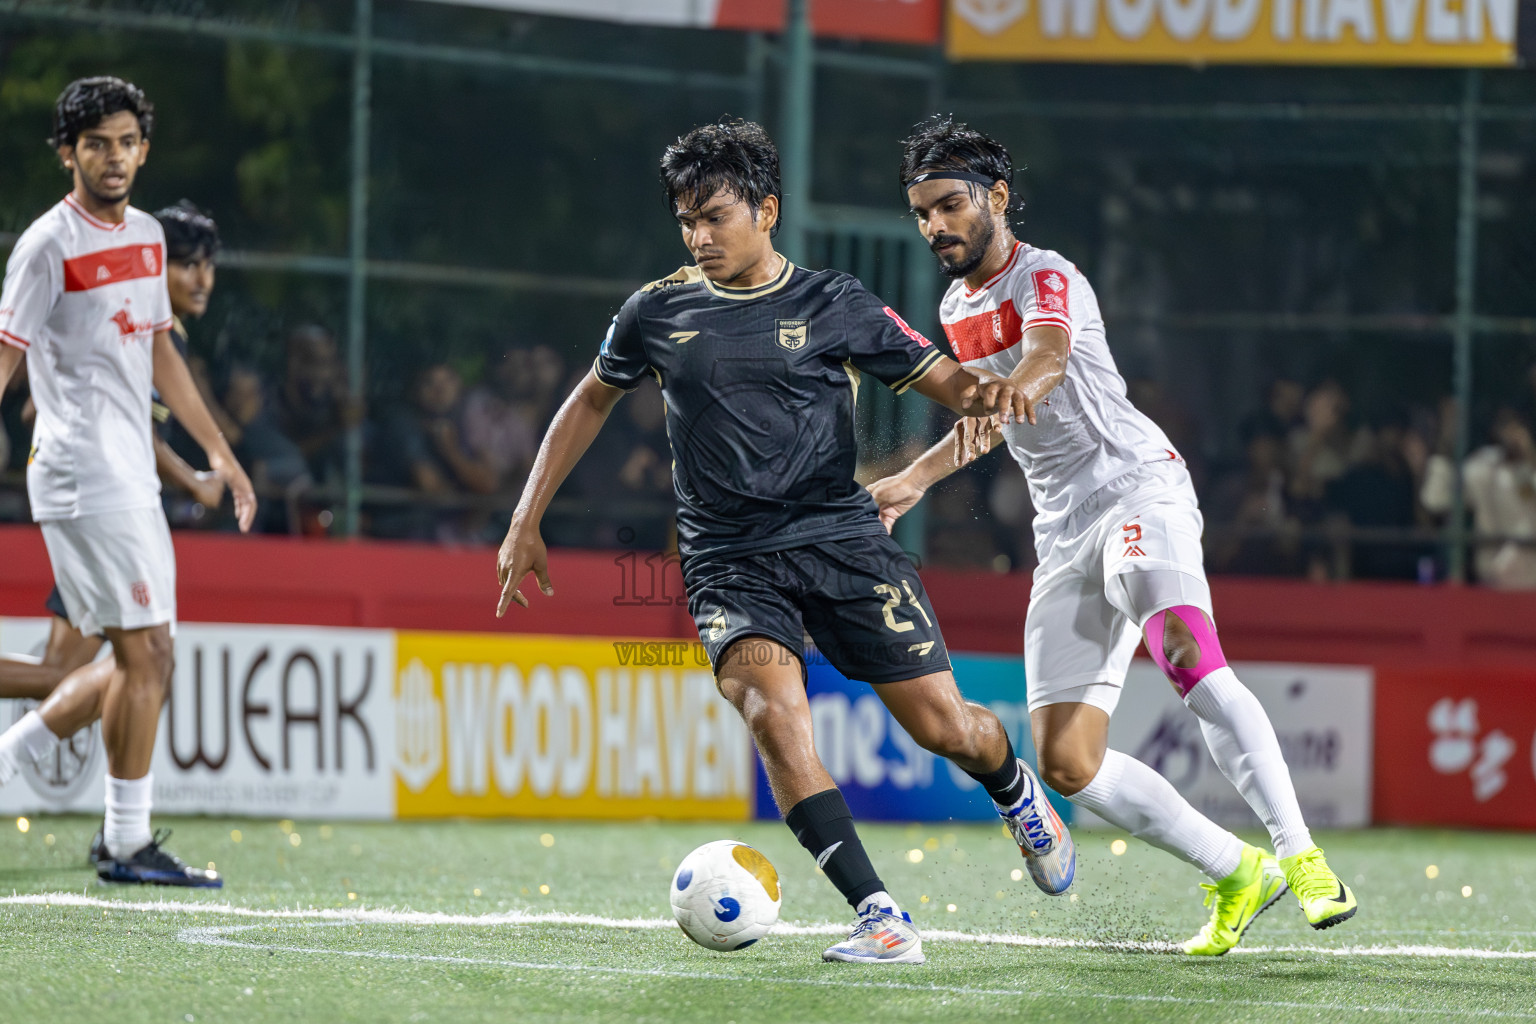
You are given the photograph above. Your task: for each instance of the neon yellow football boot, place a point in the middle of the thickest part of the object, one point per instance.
(1325, 899)
(1236, 900)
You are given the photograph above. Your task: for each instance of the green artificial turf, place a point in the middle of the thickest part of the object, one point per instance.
(117, 965)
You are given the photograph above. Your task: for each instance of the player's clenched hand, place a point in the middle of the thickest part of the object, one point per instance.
(208, 490)
(997, 396)
(973, 437)
(894, 495)
(521, 553)
(229, 471)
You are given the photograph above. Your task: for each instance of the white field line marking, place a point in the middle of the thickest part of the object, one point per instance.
(216, 936)
(520, 917)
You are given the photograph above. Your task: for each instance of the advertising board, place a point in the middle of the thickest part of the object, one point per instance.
(1457, 747)
(315, 722)
(281, 721)
(1393, 32)
(547, 726)
(1321, 715)
(882, 772)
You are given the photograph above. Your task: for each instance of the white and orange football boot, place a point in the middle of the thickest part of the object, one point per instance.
(884, 935)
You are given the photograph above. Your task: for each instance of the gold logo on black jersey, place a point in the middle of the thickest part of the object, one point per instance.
(717, 626)
(793, 334)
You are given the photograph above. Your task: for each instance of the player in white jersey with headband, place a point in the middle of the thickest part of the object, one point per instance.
(85, 302)
(1117, 532)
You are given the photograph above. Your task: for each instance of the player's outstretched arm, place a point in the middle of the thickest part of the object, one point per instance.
(971, 438)
(179, 393)
(572, 432)
(1014, 399)
(985, 402)
(973, 392)
(1042, 363)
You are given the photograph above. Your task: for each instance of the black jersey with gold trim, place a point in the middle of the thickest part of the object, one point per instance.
(760, 386)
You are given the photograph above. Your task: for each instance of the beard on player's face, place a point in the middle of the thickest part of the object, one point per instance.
(92, 179)
(969, 252)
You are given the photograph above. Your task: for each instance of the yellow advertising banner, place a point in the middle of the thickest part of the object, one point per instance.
(1392, 32)
(564, 727)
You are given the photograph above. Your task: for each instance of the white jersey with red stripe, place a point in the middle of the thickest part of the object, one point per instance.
(84, 298)
(1087, 432)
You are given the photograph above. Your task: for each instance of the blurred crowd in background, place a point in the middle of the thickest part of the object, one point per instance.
(1307, 488)
(446, 463)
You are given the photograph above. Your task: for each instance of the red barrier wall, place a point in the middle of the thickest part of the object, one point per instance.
(226, 578)
(1470, 652)
(229, 578)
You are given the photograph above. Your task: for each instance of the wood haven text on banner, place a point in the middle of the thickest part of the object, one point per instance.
(492, 725)
(1394, 32)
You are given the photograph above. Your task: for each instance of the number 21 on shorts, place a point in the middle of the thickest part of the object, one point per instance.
(893, 596)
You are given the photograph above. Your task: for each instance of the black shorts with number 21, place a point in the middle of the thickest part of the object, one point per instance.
(859, 599)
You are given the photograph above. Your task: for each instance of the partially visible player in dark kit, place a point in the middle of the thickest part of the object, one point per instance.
(760, 362)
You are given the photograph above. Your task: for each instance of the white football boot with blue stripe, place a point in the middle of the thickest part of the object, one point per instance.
(1049, 853)
(884, 935)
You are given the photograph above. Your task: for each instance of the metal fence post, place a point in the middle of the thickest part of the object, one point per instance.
(357, 251)
(757, 75)
(796, 131)
(1466, 279)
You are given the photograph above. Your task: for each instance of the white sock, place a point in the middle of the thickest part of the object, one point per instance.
(27, 740)
(1127, 793)
(878, 900)
(127, 826)
(1242, 741)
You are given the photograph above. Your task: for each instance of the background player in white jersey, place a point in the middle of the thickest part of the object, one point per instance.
(191, 246)
(85, 300)
(1117, 532)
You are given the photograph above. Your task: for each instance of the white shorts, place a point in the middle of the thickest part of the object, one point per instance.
(1084, 620)
(114, 571)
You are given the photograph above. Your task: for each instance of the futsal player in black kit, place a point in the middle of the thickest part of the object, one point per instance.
(759, 361)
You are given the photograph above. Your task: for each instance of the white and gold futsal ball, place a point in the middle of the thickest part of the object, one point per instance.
(726, 895)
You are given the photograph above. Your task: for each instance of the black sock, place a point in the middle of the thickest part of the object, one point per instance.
(1005, 784)
(824, 826)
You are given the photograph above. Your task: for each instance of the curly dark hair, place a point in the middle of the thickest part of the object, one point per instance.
(86, 102)
(942, 143)
(731, 154)
(190, 233)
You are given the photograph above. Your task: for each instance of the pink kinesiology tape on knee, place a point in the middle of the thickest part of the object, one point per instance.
(1211, 658)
